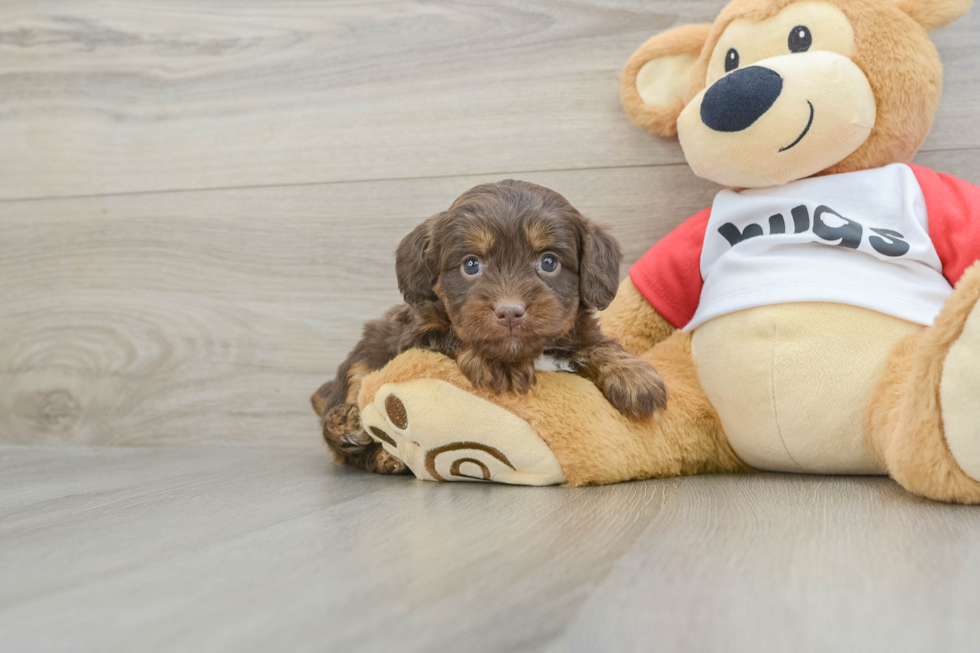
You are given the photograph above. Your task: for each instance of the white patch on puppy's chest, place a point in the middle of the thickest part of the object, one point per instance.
(546, 363)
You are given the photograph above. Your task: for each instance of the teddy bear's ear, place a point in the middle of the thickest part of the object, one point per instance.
(657, 77)
(933, 14)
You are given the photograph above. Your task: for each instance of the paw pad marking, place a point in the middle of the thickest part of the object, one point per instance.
(453, 435)
(397, 414)
(381, 435)
(454, 469)
(484, 470)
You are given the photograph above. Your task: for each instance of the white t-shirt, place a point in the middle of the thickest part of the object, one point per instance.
(859, 238)
(894, 240)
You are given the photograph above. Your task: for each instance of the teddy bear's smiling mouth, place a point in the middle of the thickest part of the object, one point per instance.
(805, 131)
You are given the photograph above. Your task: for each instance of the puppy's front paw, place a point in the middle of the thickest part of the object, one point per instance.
(379, 461)
(345, 435)
(342, 429)
(634, 388)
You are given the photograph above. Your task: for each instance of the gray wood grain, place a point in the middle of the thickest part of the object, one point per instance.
(219, 549)
(211, 316)
(204, 317)
(128, 96)
(199, 202)
(780, 564)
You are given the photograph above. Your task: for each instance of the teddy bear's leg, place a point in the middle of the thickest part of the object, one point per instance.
(924, 417)
(632, 321)
(422, 409)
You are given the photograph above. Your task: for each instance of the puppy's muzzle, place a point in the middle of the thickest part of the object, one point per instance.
(510, 314)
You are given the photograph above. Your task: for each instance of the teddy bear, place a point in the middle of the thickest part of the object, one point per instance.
(822, 316)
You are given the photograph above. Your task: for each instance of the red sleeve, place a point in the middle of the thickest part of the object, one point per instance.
(953, 207)
(669, 275)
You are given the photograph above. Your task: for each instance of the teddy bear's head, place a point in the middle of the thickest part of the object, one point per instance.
(780, 90)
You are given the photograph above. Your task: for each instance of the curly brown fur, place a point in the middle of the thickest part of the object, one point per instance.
(510, 272)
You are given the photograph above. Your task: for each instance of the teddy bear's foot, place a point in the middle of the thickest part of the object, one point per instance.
(924, 419)
(960, 396)
(443, 433)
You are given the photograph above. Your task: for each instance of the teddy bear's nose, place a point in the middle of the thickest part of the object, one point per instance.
(740, 98)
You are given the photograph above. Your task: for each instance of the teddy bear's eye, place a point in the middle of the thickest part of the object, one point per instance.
(731, 60)
(800, 39)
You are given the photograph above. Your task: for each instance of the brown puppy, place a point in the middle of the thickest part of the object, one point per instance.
(510, 272)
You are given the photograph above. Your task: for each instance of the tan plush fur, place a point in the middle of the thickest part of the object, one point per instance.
(594, 443)
(891, 48)
(904, 419)
(933, 14)
(689, 40)
(632, 321)
(786, 402)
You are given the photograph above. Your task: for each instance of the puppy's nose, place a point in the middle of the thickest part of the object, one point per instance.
(510, 315)
(740, 98)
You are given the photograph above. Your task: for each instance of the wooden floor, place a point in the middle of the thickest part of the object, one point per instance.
(199, 202)
(200, 199)
(272, 549)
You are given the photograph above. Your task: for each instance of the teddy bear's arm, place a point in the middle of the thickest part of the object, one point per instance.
(563, 431)
(633, 321)
(662, 291)
(953, 206)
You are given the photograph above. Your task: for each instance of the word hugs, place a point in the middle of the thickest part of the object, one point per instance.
(842, 232)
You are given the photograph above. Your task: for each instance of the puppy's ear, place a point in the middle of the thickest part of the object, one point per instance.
(657, 77)
(598, 267)
(414, 264)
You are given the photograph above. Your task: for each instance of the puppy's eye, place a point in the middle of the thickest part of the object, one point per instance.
(800, 39)
(731, 60)
(472, 266)
(548, 264)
